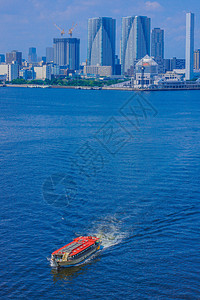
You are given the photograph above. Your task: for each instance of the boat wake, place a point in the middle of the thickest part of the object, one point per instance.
(109, 230)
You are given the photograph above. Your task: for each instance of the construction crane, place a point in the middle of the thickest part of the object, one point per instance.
(71, 29)
(62, 32)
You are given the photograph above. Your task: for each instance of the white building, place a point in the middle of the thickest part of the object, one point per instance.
(43, 72)
(10, 71)
(189, 45)
(146, 70)
(170, 76)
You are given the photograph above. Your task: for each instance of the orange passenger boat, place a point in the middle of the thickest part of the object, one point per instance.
(76, 251)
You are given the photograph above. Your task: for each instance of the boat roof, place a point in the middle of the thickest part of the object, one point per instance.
(77, 245)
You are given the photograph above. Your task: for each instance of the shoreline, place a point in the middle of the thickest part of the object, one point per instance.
(99, 88)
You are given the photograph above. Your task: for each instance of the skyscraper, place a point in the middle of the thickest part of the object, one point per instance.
(67, 52)
(189, 46)
(135, 41)
(197, 59)
(32, 55)
(157, 43)
(157, 47)
(101, 42)
(14, 56)
(49, 54)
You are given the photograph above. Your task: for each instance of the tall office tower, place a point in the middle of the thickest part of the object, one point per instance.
(197, 59)
(2, 58)
(135, 41)
(157, 43)
(14, 56)
(189, 46)
(32, 55)
(157, 47)
(49, 54)
(67, 52)
(101, 42)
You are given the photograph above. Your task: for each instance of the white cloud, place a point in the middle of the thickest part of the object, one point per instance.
(152, 6)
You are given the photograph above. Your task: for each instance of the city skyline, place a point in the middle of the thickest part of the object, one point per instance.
(36, 29)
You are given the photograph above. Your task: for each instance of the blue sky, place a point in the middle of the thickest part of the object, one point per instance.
(29, 23)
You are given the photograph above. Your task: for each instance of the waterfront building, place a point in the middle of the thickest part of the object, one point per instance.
(67, 52)
(169, 76)
(10, 71)
(135, 41)
(43, 72)
(145, 71)
(2, 58)
(98, 71)
(174, 80)
(189, 45)
(27, 74)
(32, 55)
(14, 56)
(4, 70)
(157, 47)
(49, 54)
(101, 42)
(197, 59)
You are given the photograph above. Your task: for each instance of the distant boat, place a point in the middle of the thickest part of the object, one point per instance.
(76, 251)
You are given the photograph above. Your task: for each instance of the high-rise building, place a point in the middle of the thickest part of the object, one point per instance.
(14, 56)
(189, 45)
(157, 47)
(49, 54)
(157, 43)
(197, 59)
(101, 42)
(32, 55)
(135, 41)
(2, 58)
(67, 52)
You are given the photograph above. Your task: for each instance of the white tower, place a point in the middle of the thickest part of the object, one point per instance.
(189, 45)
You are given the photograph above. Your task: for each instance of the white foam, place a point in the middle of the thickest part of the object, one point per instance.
(109, 231)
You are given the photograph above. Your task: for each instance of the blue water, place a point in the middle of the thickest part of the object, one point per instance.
(119, 165)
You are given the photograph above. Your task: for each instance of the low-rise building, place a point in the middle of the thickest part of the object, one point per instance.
(101, 71)
(170, 76)
(27, 73)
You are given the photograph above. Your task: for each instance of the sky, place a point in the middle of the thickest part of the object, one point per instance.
(30, 23)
